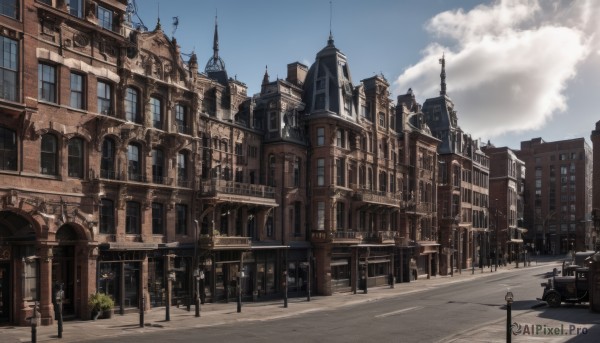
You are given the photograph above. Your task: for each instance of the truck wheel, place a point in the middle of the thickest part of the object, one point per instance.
(553, 299)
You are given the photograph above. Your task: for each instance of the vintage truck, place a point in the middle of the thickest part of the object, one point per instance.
(567, 289)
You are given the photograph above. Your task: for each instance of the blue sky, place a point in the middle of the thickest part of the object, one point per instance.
(516, 69)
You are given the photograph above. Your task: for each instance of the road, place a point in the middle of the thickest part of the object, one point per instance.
(432, 313)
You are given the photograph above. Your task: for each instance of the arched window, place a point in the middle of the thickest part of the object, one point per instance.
(134, 165)
(132, 107)
(49, 155)
(107, 162)
(8, 149)
(156, 112)
(76, 158)
(158, 166)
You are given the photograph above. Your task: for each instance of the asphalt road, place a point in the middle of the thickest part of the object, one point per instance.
(434, 313)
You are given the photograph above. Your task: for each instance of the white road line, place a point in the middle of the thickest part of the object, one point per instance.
(399, 311)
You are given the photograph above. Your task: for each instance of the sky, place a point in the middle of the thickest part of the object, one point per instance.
(515, 69)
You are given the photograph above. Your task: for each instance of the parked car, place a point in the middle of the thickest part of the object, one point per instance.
(578, 260)
(568, 289)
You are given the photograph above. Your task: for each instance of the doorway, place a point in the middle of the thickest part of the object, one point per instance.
(4, 292)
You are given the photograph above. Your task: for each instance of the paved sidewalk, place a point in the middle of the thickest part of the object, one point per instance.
(224, 313)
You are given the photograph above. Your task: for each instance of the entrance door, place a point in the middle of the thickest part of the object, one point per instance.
(63, 274)
(4, 292)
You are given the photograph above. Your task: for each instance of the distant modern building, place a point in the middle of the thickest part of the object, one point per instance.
(507, 183)
(558, 196)
(463, 183)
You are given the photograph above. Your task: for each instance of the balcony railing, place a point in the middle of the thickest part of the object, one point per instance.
(373, 196)
(423, 207)
(136, 177)
(215, 186)
(108, 174)
(381, 236)
(162, 180)
(184, 183)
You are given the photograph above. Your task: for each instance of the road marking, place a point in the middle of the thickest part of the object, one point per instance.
(399, 311)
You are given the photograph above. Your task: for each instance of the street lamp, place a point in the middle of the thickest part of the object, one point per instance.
(509, 300)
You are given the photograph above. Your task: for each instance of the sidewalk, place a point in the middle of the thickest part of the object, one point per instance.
(223, 313)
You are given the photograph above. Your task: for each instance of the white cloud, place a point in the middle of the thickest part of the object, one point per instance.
(507, 64)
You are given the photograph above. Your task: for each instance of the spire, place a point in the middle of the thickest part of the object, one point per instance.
(158, 26)
(266, 77)
(443, 75)
(216, 41)
(330, 40)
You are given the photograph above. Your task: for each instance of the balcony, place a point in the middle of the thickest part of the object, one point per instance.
(420, 208)
(238, 192)
(340, 237)
(216, 242)
(382, 237)
(361, 193)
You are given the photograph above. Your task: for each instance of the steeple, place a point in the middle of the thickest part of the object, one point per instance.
(266, 77)
(216, 41)
(443, 75)
(215, 63)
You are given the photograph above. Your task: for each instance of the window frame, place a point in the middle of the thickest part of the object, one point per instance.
(105, 17)
(158, 166)
(156, 104)
(105, 104)
(49, 157)
(133, 218)
(8, 149)
(9, 67)
(47, 88)
(15, 9)
(134, 162)
(76, 161)
(79, 93)
(158, 218)
(181, 219)
(107, 217)
(181, 120)
(132, 105)
(320, 172)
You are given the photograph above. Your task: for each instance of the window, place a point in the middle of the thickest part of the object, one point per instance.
(340, 167)
(105, 18)
(297, 218)
(76, 91)
(104, 98)
(339, 218)
(340, 139)
(320, 136)
(320, 172)
(320, 84)
(381, 119)
(297, 172)
(49, 155)
(133, 162)
(107, 162)
(9, 8)
(158, 166)
(181, 119)
(157, 219)
(271, 179)
(252, 151)
(31, 272)
(320, 215)
(320, 102)
(132, 109)
(8, 68)
(181, 219)
(132, 218)
(182, 170)
(107, 217)
(76, 8)
(46, 82)
(273, 121)
(76, 158)
(8, 149)
(156, 112)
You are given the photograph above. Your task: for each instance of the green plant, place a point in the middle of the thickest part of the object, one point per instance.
(100, 302)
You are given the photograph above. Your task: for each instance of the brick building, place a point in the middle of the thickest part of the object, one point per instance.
(507, 182)
(558, 196)
(463, 184)
(129, 171)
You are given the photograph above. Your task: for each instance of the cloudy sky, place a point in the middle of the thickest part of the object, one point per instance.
(516, 69)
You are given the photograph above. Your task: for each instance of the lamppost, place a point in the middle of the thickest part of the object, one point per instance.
(59, 301)
(473, 255)
(509, 300)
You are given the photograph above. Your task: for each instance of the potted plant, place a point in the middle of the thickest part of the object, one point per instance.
(101, 303)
